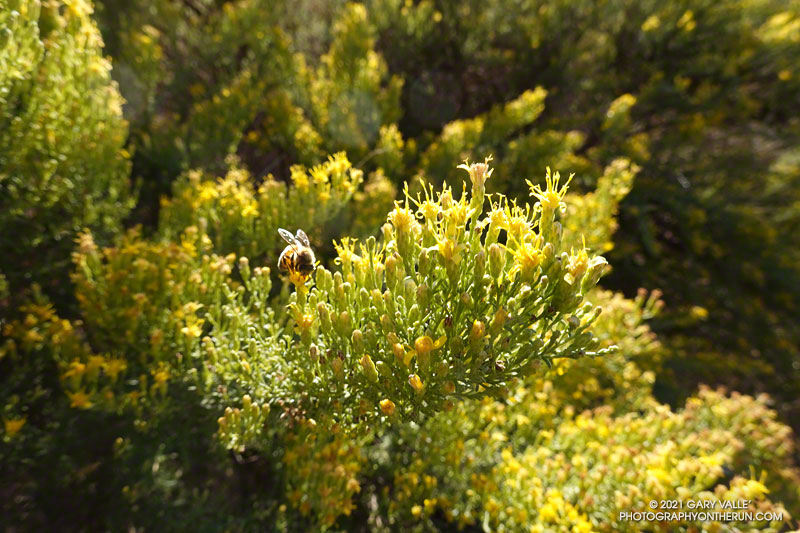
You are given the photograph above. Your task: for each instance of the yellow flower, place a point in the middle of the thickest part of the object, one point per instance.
(498, 218)
(651, 23)
(424, 345)
(387, 407)
(458, 214)
(76, 369)
(193, 330)
(79, 400)
(161, 376)
(430, 209)
(305, 321)
(298, 280)
(401, 218)
(548, 513)
(94, 364)
(299, 177)
(345, 250)
(416, 383)
(478, 172)
(526, 259)
(353, 485)
(450, 250)
(754, 489)
(578, 264)
(550, 198)
(13, 425)
(582, 527)
(250, 210)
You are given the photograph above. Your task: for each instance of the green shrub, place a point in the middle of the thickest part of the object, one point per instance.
(447, 366)
(63, 166)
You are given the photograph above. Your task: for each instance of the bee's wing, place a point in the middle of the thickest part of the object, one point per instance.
(288, 237)
(303, 238)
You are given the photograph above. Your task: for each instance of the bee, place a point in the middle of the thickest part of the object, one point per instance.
(298, 258)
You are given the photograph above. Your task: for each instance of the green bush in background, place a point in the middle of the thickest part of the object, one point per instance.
(63, 161)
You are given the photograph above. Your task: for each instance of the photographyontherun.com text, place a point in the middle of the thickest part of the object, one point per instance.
(700, 511)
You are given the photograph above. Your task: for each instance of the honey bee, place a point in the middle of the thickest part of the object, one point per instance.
(298, 258)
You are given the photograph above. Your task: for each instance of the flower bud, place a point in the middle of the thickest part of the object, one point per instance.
(399, 352)
(497, 260)
(416, 383)
(337, 365)
(498, 321)
(324, 318)
(369, 369)
(357, 340)
(425, 263)
(423, 346)
(244, 267)
(386, 323)
(596, 269)
(557, 232)
(409, 289)
(478, 331)
(391, 271)
(324, 280)
(389, 302)
(387, 407)
(363, 298)
(449, 387)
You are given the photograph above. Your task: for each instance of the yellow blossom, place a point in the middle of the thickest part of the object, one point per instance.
(76, 369)
(526, 259)
(79, 400)
(13, 425)
(250, 210)
(550, 197)
(194, 329)
(450, 250)
(387, 407)
(401, 218)
(478, 172)
(416, 383)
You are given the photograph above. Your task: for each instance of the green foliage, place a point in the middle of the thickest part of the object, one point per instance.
(447, 366)
(63, 166)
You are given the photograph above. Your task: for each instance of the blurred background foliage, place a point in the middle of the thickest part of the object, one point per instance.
(182, 133)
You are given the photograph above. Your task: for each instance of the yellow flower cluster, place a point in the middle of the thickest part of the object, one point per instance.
(552, 469)
(241, 218)
(419, 321)
(322, 468)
